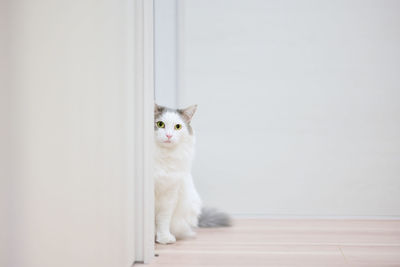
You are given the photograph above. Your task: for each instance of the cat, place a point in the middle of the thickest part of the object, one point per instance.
(178, 207)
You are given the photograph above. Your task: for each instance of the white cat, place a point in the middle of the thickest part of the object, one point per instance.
(178, 207)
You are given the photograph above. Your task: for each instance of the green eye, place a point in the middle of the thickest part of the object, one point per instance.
(178, 127)
(160, 124)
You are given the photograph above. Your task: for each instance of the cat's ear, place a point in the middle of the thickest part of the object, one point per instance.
(158, 110)
(187, 113)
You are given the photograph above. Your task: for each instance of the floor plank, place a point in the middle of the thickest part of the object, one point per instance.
(289, 242)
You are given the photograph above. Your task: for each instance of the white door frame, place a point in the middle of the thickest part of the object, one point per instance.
(79, 145)
(144, 129)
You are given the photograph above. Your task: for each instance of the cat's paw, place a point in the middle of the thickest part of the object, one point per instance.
(167, 238)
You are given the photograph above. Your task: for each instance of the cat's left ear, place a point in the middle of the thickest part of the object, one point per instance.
(158, 110)
(187, 113)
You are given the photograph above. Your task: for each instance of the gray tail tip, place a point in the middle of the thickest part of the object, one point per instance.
(211, 217)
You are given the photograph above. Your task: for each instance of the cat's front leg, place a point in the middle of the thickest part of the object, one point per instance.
(165, 205)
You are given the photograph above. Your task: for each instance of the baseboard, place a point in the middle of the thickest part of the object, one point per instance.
(317, 217)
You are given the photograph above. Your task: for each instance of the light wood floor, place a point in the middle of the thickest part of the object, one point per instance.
(291, 242)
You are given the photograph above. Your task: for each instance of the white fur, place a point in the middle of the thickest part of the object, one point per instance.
(177, 203)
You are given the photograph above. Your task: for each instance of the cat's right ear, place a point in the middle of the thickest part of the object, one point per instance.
(188, 112)
(158, 110)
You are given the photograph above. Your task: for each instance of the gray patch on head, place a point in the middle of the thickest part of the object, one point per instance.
(157, 110)
(160, 110)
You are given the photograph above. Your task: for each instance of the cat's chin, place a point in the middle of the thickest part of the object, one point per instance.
(167, 144)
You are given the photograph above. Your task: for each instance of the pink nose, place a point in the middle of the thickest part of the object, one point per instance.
(168, 136)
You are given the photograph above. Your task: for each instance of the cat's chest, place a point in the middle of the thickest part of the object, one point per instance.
(168, 174)
(171, 168)
(168, 165)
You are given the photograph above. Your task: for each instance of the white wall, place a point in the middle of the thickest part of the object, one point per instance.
(166, 52)
(299, 108)
(71, 95)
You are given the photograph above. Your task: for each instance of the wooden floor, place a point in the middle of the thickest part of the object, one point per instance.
(272, 242)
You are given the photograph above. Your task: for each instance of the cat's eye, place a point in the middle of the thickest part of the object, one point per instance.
(178, 126)
(160, 124)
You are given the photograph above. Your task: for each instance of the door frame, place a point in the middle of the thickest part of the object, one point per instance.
(144, 131)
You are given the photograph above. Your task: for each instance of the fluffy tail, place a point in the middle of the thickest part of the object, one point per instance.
(211, 217)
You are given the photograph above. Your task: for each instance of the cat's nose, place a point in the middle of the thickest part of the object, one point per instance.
(168, 136)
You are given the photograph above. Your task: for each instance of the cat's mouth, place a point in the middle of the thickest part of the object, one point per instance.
(168, 141)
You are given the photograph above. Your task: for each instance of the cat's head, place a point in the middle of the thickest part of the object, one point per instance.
(172, 125)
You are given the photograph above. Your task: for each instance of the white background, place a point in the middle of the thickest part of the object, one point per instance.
(299, 111)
